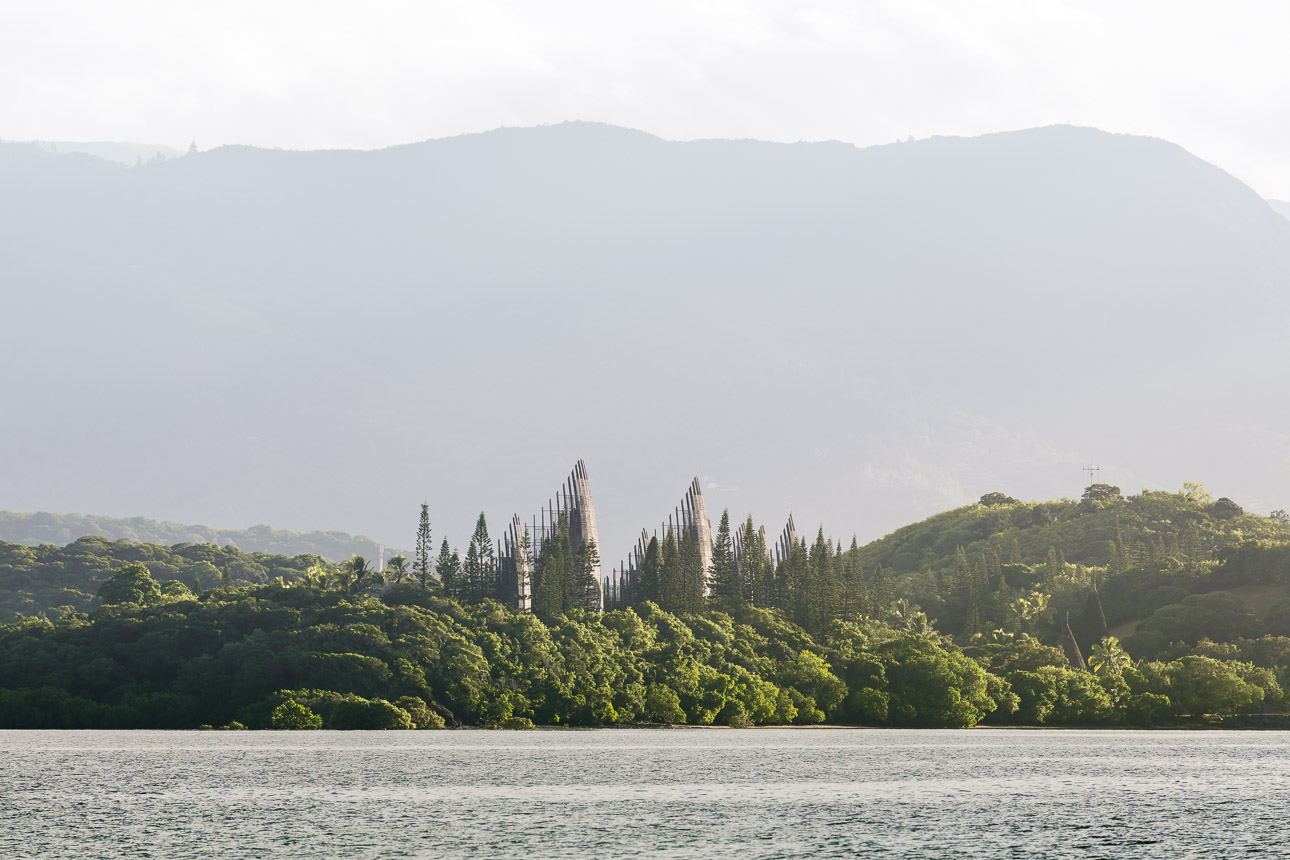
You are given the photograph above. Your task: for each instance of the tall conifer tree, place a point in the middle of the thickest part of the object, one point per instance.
(586, 590)
(795, 581)
(855, 600)
(974, 620)
(649, 579)
(724, 579)
(1114, 563)
(473, 573)
(754, 571)
(880, 596)
(447, 568)
(962, 585)
(994, 566)
(1051, 567)
(672, 577)
(421, 561)
(693, 577)
(821, 597)
(485, 582)
(554, 574)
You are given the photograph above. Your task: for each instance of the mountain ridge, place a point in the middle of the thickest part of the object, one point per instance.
(524, 297)
(44, 527)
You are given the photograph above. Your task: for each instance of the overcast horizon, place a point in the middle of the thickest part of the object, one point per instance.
(323, 76)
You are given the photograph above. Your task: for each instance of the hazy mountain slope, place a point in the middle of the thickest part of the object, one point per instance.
(1280, 206)
(34, 529)
(123, 152)
(864, 335)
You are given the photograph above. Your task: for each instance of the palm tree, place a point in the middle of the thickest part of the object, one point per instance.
(316, 576)
(1108, 658)
(396, 569)
(354, 574)
(901, 610)
(906, 616)
(918, 624)
(1027, 610)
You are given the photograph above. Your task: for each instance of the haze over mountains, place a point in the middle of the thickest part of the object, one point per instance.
(123, 152)
(325, 339)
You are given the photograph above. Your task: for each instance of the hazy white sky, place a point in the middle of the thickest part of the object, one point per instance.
(319, 73)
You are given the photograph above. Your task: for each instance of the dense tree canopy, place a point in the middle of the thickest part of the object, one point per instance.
(48, 579)
(947, 623)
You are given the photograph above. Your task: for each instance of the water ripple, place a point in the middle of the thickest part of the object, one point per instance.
(663, 793)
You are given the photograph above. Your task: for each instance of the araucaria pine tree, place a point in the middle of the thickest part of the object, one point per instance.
(820, 597)
(974, 618)
(962, 587)
(586, 590)
(723, 578)
(693, 577)
(754, 567)
(854, 598)
(448, 568)
(421, 560)
(1052, 567)
(880, 596)
(553, 573)
(675, 591)
(794, 574)
(649, 579)
(485, 582)
(474, 575)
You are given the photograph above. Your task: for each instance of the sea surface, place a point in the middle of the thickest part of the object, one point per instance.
(685, 793)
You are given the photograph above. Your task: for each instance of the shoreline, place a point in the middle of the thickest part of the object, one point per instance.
(1283, 726)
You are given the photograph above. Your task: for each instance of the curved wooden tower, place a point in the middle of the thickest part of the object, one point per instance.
(1070, 647)
(572, 500)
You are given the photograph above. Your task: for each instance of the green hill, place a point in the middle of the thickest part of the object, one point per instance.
(1159, 523)
(1146, 551)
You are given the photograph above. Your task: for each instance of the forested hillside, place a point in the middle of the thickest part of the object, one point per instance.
(33, 529)
(53, 580)
(966, 567)
(330, 654)
(957, 620)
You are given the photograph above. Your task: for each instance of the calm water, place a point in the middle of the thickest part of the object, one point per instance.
(669, 793)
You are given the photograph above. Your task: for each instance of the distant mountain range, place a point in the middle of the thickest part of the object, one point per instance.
(862, 336)
(122, 152)
(34, 529)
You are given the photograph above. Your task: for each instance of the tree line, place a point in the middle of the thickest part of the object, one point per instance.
(305, 655)
(1036, 626)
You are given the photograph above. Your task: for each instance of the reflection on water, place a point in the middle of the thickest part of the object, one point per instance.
(667, 792)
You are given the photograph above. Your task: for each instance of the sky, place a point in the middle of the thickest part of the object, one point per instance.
(311, 74)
